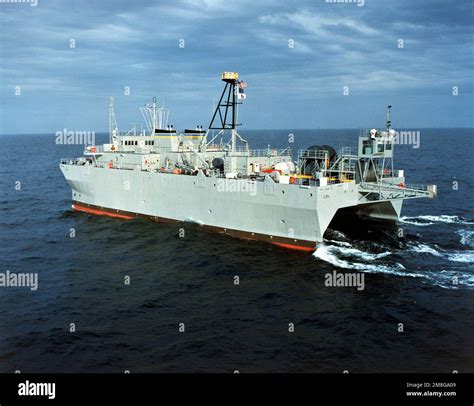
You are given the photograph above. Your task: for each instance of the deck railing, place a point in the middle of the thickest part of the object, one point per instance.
(312, 154)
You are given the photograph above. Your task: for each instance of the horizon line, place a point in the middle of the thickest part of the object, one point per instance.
(268, 129)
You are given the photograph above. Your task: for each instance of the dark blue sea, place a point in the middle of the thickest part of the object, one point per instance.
(424, 279)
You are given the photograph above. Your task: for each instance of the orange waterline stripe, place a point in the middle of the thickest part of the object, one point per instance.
(295, 247)
(100, 212)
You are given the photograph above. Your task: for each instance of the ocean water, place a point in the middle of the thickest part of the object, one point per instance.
(245, 327)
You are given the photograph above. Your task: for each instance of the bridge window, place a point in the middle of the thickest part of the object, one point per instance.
(367, 147)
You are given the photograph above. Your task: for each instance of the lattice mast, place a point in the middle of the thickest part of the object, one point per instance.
(225, 114)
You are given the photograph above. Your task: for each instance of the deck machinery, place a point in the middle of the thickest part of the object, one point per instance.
(205, 177)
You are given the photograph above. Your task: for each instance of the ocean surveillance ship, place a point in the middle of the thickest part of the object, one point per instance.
(212, 178)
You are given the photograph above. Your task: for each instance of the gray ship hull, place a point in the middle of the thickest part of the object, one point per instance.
(291, 216)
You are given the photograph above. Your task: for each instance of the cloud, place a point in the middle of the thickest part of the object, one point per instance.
(136, 44)
(318, 24)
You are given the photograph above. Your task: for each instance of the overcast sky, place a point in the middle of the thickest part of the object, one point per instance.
(67, 57)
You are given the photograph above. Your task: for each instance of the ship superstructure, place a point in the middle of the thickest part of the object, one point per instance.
(212, 178)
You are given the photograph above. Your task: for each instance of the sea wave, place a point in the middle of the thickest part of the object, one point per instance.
(466, 256)
(466, 237)
(341, 243)
(461, 256)
(425, 249)
(427, 220)
(451, 279)
(353, 258)
(340, 257)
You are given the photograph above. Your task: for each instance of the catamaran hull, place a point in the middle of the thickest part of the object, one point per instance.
(288, 216)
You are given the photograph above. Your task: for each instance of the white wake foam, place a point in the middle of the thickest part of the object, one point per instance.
(461, 256)
(342, 254)
(343, 257)
(427, 220)
(341, 243)
(339, 234)
(455, 256)
(424, 248)
(334, 255)
(467, 237)
(450, 279)
(411, 220)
